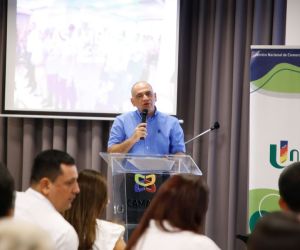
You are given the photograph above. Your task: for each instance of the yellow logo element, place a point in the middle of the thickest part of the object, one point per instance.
(140, 180)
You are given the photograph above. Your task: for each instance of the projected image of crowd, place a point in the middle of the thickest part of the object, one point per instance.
(69, 58)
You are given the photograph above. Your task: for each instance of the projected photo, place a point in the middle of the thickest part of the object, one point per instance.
(84, 55)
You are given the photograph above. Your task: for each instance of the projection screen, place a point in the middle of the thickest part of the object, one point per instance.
(81, 57)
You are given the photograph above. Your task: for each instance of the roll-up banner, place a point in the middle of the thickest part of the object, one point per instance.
(274, 134)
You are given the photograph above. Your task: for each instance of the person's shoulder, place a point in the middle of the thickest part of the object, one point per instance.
(33, 206)
(29, 200)
(69, 229)
(107, 225)
(63, 232)
(167, 117)
(203, 241)
(66, 236)
(108, 234)
(20, 195)
(55, 221)
(126, 115)
(50, 220)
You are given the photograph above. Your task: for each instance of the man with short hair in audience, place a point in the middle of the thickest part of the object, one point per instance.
(289, 188)
(53, 187)
(7, 192)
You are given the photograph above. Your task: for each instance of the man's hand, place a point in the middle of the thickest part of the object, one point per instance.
(125, 146)
(140, 131)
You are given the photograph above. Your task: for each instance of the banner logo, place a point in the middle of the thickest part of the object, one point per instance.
(144, 183)
(284, 157)
(262, 201)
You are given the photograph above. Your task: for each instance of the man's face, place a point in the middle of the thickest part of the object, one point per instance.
(64, 189)
(143, 97)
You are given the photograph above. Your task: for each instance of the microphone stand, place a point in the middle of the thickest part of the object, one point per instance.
(215, 126)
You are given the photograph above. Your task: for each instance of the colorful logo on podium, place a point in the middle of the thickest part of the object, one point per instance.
(144, 183)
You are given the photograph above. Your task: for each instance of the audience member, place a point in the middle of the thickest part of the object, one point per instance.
(87, 207)
(7, 192)
(18, 235)
(53, 188)
(276, 231)
(289, 186)
(175, 217)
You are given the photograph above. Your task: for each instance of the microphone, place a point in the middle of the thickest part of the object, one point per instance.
(215, 126)
(144, 115)
(144, 118)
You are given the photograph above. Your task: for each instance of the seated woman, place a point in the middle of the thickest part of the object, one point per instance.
(175, 217)
(88, 205)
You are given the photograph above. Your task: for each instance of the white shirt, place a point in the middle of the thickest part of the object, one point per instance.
(156, 238)
(107, 234)
(33, 207)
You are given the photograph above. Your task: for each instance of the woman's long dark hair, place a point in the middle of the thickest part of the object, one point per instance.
(182, 201)
(87, 207)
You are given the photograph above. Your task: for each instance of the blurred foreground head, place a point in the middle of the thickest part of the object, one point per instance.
(289, 186)
(7, 192)
(182, 201)
(276, 231)
(17, 235)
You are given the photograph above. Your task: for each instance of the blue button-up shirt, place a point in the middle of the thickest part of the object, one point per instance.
(164, 133)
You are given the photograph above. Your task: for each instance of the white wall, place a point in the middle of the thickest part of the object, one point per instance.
(293, 23)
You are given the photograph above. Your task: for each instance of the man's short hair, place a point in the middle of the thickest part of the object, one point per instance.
(48, 164)
(136, 83)
(289, 186)
(7, 191)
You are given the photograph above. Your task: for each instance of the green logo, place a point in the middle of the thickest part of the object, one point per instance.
(261, 202)
(285, 156)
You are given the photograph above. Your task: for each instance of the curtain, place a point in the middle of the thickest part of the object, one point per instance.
(213, 85)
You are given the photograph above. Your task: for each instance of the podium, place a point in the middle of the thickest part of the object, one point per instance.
(133, 181)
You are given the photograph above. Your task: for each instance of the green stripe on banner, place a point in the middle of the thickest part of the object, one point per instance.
(283, 78)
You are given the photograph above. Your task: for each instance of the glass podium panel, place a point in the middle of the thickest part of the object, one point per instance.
(133, 180)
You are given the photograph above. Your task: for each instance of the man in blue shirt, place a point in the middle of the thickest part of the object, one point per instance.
(162, 133)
